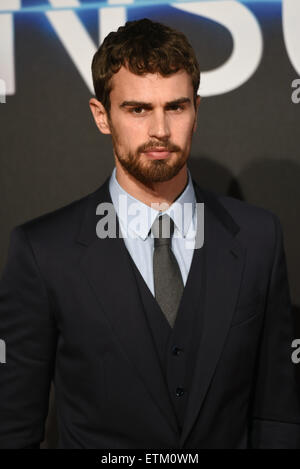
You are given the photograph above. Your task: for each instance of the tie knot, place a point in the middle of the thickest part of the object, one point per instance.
(162, 230)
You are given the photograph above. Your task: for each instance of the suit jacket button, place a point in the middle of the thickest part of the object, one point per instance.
(176, 350)
(179, 392)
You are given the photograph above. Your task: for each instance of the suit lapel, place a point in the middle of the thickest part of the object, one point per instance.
(223, 265)
(106, 264)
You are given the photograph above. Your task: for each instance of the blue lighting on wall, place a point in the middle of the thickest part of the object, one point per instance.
(29, 6)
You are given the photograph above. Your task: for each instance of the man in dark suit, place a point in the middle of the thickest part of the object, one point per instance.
(150, 343)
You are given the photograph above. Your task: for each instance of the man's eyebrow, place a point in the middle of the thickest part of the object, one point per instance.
(149, 105)
(136, 104)
(178, 101)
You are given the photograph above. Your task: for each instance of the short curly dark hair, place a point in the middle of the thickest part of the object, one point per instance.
(143, 46)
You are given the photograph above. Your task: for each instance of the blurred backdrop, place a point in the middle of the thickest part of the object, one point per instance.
(247, 142)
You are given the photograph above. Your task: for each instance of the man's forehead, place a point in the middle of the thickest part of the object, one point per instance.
(141, 86)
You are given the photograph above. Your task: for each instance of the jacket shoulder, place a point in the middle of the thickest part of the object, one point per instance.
(57, 225)
(240, 210)
(244, 212)
(248, 220)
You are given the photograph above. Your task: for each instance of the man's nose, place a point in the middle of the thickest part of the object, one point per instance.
(159, 125)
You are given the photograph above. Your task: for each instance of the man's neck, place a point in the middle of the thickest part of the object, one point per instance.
(161, 192)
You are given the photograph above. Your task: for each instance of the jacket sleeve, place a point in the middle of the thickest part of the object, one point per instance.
(28, 330)
(276, 410)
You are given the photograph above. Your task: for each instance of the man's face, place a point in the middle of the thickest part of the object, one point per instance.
(152, 120)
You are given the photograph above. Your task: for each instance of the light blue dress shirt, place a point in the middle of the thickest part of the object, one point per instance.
(135, 235)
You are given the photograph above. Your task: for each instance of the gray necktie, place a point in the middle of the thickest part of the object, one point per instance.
(168, 284)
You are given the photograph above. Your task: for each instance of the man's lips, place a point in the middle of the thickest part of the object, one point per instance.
(158, 153)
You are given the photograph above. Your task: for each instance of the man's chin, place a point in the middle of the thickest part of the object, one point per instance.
(149, 171)
(158, 171)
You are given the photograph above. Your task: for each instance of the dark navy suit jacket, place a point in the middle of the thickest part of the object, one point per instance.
(70, 312)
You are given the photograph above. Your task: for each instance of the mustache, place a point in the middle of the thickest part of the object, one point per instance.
(154, 146)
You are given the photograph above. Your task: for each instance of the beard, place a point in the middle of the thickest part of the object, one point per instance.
(146, 170)
(151, 171)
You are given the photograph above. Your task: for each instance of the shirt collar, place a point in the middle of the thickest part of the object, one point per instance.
(128, 207)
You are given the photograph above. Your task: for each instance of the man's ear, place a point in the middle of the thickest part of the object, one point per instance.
(100, 115)
(198, 99)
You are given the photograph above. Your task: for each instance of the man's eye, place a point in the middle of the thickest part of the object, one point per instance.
(137, 110)
(141, 110)
(176, 107)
